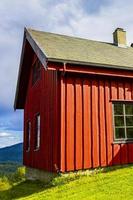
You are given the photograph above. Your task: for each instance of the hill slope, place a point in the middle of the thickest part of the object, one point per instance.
(113, 185)
(12, 153)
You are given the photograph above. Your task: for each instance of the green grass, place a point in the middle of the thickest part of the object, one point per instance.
(6, 168)
(100, 184)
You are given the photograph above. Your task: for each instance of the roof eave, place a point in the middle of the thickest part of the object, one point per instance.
(44, 59)
(89, 64)
(20, 68)
(37, 49)
(40, 54)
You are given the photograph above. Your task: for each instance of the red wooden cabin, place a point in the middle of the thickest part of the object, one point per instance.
(77, 97)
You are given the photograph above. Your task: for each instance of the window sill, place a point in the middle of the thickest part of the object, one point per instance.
(123, 142)
(121, 101)
(37, 149)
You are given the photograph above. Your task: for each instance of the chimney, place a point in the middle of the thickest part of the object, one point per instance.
(119, 36)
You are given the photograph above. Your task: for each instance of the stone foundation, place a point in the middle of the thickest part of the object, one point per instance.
(37, 174)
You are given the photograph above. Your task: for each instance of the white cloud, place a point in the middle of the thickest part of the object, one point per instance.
(10, 138)
(14, 15)
(4, 134)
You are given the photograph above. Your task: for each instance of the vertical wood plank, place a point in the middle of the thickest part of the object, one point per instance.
(55, 125)
(95, 128)
(113, 90)
(78, 127)
(120, 90)
(128, 91)
(109, 131)
(124, 154)
(130, 153)
(52, 96)
(70, 125)
(102, 133)
(116, 154)
(48, 121)
(63, 110)
(43, 125)
(87, 123)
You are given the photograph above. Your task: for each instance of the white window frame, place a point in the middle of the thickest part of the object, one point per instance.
(125, 126)
(37, 131)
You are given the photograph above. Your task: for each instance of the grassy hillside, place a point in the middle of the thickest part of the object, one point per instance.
(12, 153)
(8, 168)
(112, 185)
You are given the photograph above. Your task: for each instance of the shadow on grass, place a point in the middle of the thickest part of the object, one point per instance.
(24, 189)
(27, 188)
(116, 167)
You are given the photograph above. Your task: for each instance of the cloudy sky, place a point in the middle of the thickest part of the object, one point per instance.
(93, 19)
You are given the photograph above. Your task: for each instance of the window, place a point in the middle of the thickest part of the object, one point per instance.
(36, 71)
(37, 132)
(28, 133)
(123, 121)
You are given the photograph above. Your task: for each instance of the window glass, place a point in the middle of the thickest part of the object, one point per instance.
(119, 120)
(129, 120)
(130, 133)
(119, 133)
(129, 109)
(118, 109)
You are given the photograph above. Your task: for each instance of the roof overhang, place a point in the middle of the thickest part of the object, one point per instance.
(38, 51)
(28, 40)
(36, 47)
(89, 64)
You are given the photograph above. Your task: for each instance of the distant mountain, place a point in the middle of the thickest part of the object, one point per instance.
(12, 153)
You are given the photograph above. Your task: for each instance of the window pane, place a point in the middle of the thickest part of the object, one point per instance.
(129, 121)
(119, 133)
(129, 133)
(119, 120)
(129, 109)
(118, 109)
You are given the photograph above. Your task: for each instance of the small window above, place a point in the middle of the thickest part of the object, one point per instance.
(37, 132)
(36, 73)
(123, 121)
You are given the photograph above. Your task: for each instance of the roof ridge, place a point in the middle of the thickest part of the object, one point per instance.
(69, 36)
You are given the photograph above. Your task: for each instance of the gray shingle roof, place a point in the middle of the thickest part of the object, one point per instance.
(68, 48)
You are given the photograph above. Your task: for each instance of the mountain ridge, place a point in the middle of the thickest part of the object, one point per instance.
(11, 153)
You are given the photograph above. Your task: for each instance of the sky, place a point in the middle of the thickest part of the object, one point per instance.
(92, 19)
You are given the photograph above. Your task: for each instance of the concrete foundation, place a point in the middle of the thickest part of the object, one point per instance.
(37, 174)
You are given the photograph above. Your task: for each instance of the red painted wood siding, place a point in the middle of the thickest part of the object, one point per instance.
(76, 120)
(87, 122)
(42, 98)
